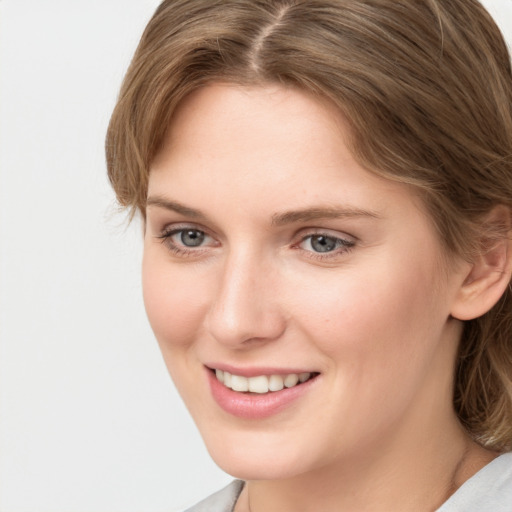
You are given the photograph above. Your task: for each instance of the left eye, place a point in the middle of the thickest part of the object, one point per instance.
(324, 243)
(190, 237)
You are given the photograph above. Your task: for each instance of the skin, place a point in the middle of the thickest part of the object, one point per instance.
(377, 430)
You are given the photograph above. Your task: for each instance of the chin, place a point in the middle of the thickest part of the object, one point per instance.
(259, 459)
(255, 470)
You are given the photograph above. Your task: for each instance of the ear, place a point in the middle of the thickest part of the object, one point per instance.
(490, 272)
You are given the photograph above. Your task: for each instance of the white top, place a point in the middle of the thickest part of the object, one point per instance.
(489, 490)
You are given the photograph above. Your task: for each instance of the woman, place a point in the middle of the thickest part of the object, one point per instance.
(326, 189)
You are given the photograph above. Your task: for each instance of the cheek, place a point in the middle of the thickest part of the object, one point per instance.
(380, 333)
(376, 315)
(174, 302)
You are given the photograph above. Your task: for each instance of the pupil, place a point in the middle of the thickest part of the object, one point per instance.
(192, 238)
(323, 243)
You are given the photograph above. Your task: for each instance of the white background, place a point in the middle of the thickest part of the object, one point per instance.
(89, 420)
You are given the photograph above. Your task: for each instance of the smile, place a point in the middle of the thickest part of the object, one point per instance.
(262, 383)
(259, 394)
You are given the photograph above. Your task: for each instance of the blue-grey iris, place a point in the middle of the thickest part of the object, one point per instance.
(321, 243)
(192, 237)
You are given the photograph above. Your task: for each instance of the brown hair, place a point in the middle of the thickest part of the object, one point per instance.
(426, 86)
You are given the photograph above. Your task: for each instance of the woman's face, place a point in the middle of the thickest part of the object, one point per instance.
(270, 254)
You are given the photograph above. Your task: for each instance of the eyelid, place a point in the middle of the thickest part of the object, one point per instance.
(174, 227)
(167, 233)
(332, 233)
(347, 243)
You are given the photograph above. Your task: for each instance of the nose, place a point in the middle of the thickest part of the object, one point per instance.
(245, 308)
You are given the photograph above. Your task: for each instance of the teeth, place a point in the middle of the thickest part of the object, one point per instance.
(239, 383)
(275, 383)
(291, 380)
(260, 384)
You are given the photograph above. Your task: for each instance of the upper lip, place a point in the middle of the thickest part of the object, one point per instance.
(254, 371)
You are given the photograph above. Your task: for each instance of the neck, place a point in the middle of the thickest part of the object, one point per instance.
(419, 476)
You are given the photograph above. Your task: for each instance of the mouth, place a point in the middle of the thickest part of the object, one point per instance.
(259, 393)
(262, 384)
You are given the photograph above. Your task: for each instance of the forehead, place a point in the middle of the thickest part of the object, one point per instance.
(268, 136)
(251, 109)
(215, 126)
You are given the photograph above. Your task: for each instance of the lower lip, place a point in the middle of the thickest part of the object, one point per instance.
(255, 406)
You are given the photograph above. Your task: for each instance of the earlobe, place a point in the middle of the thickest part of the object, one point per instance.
(490, 272)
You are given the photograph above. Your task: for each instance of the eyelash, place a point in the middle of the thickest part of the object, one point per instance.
(167, 235)
(342, 245)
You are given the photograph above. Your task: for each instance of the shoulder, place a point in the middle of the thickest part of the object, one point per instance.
(489, 489)
(222, 501)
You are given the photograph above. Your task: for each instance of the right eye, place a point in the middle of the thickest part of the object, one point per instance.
(186, 240)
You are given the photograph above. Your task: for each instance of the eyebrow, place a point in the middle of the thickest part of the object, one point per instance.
(174, 206)
(316, 213)
(278, 219)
